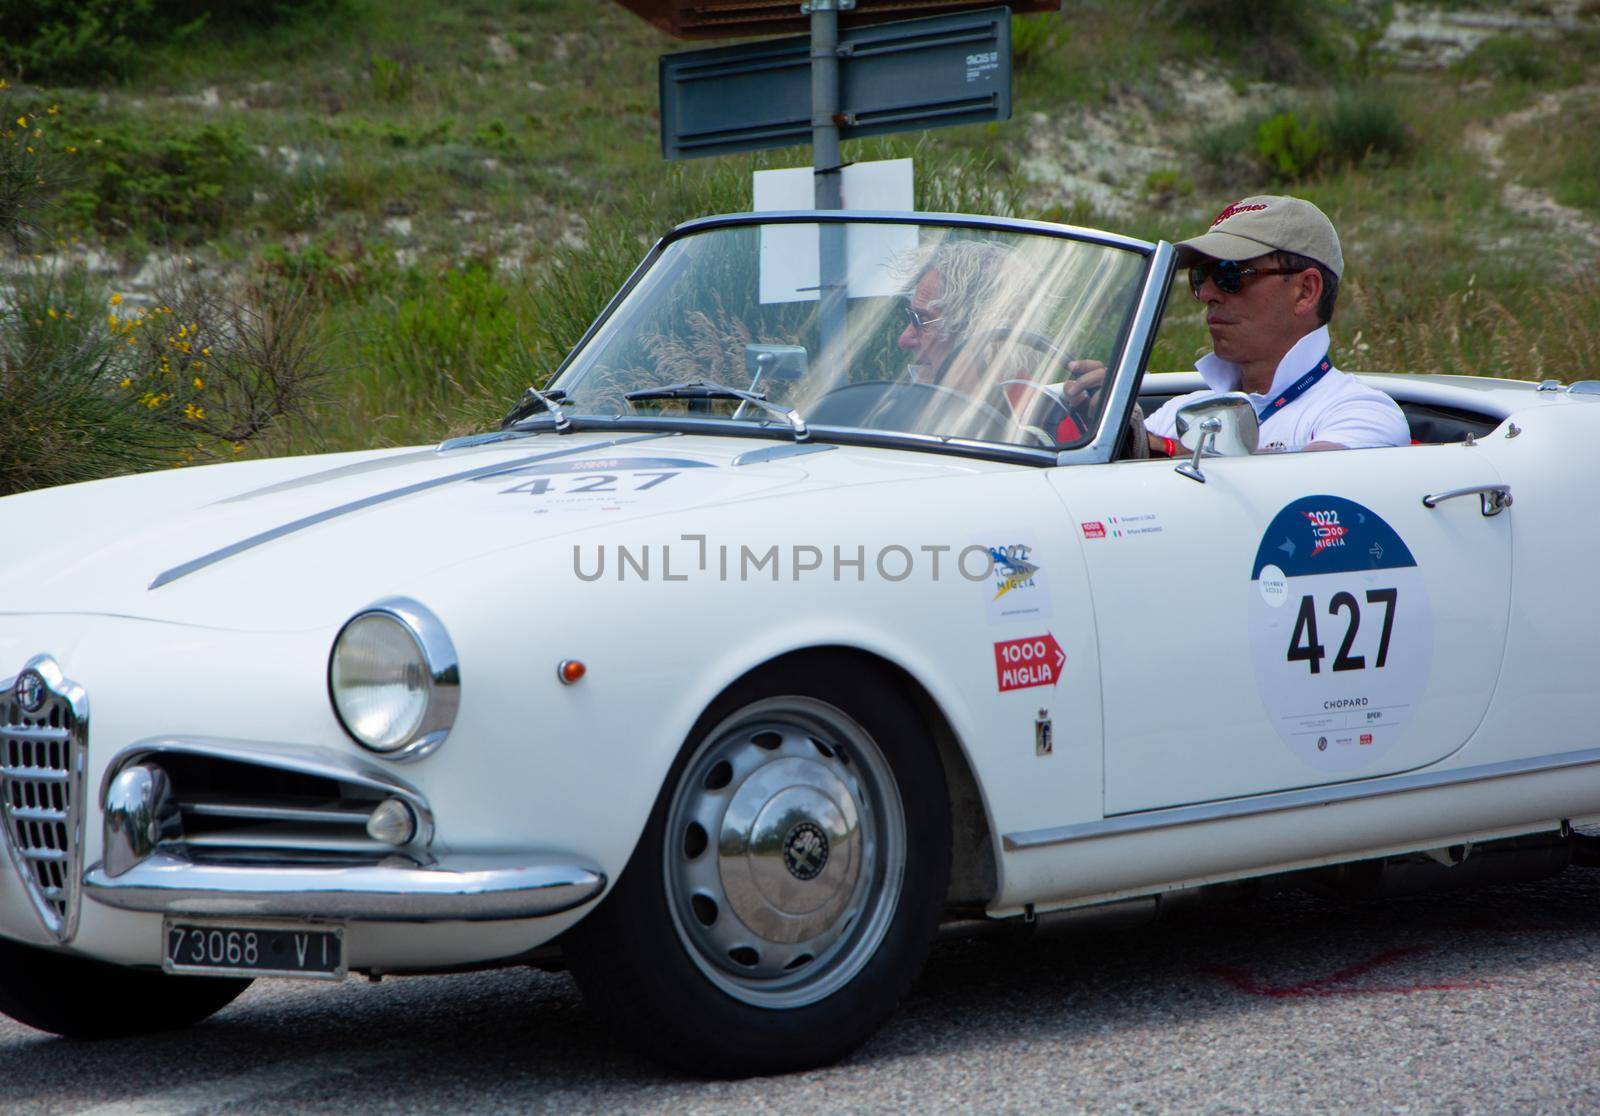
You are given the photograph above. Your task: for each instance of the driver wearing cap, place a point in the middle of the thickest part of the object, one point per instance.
(1268, 272)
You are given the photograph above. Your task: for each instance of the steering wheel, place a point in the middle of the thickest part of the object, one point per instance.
(1054, 407)
(907, 406)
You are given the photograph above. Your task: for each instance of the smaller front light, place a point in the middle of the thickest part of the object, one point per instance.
(392, 822)
(393, 679)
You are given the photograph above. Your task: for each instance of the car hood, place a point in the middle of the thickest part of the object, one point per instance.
(297, 543)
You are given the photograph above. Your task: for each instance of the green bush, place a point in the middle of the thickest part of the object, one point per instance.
(1279, 39)
(1351, 128)
(28, 167)
(91, 41)
(442, 334)
(1290, 148)
(1034, 38)
(90, 389)
(326, 266)
(1509, 58)
(1364, 123)
(173, 183)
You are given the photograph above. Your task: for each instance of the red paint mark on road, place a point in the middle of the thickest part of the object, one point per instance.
(1338, 983)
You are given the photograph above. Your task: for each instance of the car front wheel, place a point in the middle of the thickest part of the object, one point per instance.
(787, 887)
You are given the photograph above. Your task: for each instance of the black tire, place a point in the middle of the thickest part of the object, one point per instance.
(82, 999)
(846, 910)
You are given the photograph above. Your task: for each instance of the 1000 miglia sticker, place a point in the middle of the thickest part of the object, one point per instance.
(1340, 630)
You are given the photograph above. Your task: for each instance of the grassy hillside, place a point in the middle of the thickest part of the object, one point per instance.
(436, 197)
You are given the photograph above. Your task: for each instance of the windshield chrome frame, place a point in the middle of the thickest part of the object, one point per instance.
(1132, 363)
(1159, 265)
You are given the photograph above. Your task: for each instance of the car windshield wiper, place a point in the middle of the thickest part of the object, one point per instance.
(705, 389)
(534, 400)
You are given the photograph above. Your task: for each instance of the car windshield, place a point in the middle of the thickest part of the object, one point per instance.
(934, 329)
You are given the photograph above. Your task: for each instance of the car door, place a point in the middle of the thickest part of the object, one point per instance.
(1295, 620)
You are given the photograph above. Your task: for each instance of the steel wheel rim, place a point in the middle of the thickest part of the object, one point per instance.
(785, 852)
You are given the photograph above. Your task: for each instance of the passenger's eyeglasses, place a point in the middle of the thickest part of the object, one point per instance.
(919, 320)
(1229, 275)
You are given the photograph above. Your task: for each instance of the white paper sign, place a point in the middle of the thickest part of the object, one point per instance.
(789, 257)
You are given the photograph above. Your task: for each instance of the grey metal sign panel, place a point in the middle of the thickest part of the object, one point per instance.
(894, 77)
(733, 19)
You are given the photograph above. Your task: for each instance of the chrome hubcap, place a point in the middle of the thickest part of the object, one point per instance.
(784, 854)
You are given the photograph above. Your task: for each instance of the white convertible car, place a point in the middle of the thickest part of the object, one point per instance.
(765, 645)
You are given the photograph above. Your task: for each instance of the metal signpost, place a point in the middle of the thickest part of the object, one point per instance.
(868, 78)
(825, 168)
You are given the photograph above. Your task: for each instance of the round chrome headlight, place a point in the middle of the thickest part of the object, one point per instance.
(394, 680)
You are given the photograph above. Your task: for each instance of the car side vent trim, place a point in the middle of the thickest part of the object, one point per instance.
(236, 802)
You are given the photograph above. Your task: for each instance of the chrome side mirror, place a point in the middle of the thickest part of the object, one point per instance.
(1222, 426)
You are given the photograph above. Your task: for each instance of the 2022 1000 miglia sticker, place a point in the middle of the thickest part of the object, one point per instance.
(1340, 630)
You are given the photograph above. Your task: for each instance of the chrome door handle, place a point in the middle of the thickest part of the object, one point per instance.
(1496, 497)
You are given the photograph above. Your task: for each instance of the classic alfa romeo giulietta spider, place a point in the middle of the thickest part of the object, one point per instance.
(765, 642)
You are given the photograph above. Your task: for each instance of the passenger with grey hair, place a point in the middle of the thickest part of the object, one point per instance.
(958, 282)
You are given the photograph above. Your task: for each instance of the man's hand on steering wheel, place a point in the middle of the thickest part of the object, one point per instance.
(1085, 378)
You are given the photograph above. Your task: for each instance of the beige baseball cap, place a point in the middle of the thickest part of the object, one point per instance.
(1267, 223)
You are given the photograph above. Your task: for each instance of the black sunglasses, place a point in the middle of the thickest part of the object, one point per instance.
(919, 320)
(1229, 275)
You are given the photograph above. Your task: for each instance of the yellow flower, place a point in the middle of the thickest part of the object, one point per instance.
(30, 151)
(72, 150)
(22, 121)
(51, 111)
(126, 382)
(52, 312)
(198, 383)
(182, 332)
(237, 448)
(206, 351)
(193, 413)
(112, 320)
(3, 84)
(116, 300)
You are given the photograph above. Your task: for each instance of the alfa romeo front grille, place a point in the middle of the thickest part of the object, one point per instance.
(44, 724)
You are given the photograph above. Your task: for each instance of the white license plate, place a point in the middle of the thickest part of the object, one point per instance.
(253, 949)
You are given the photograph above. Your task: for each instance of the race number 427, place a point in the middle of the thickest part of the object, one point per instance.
(1343, 609)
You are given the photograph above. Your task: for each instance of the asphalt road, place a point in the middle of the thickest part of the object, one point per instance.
(1480, 1002)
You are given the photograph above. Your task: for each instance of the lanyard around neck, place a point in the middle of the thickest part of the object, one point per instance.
(1296, 390)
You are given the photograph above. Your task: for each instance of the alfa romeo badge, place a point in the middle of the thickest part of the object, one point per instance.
(29, 691)
(805, 851)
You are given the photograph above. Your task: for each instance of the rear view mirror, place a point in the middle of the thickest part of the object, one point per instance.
(785, 363)
(1222, 426)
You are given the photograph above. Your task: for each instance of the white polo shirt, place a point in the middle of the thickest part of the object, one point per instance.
(1338, 408)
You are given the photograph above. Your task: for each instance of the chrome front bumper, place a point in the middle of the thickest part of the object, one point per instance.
(479, 890)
